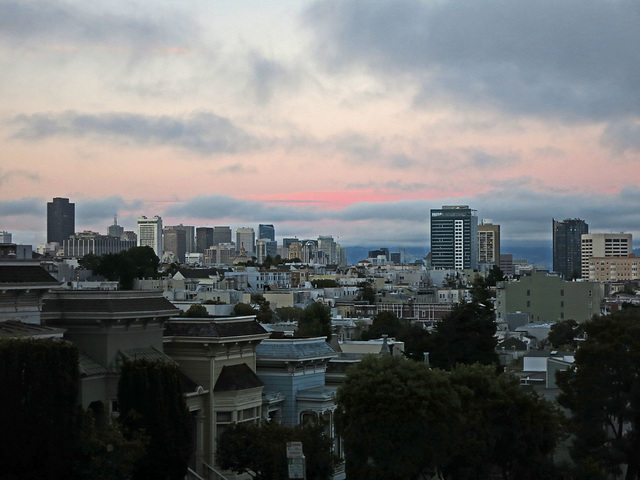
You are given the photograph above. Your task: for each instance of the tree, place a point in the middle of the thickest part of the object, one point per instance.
(384, 323)
(151, 400)
(196, 310)
(264, 313)
(289, 314)
(395, 417)
(494, 276)
(137, 262)
(315, 321)
(503, 427)
(602, 390)
(565, 333)
(466, 335)
(366, 293)
(324, 283)
(259, 450)
(244, 310)
(38, 414)
(416, 341)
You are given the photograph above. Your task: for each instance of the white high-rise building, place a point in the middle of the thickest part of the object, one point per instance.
(150, 233)
(603, 245)
(5, 237)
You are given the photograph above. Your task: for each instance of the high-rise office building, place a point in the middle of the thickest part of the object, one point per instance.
(603, 245)
(150, 233)
(189, 236)
(264, 248)
(567, 241)
(175, 241)
(115, 230)
(454, 237)
(267, 231)
(488, 243)
(61, 220)
(246, 238)
(204, 238)
(221, 234)
(5, 237)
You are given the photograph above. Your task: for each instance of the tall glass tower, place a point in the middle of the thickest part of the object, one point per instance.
(61, 220)
(454, 237)
(567, 252)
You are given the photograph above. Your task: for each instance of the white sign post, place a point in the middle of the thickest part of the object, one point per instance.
(295, 460)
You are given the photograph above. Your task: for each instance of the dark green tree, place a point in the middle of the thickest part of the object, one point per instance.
(416, 341)
(366, 293)
(564, 334)
(259, 450)
(315, 321)
(466, 335)
(137, 262)
(196, 310)
(325, 283)
(244, 310)
(504, 428)
(395, 417)
(494, 276)
(289, 314)
(38, 415)
(384, 323)
(151, 401)
(264, 313)
(602, 390)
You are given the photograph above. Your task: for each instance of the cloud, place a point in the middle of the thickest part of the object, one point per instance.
(622, 135)
(26, 206)
(95, 210)
(57, 23)
(6, 177)
(267, 77)
(569, 59)
(204, 133)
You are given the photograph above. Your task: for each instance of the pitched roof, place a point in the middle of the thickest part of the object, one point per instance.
(11, 273)
(237, 377)
(89, 367)
(295, 348)
(198, 272)
(213, 328)
(16, 328)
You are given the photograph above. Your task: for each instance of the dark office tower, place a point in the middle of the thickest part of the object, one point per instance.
(221, 235)
(61, 220)
(115, 230)
(567, 240)
(175, 241)
(267, 231)
(454, 237)
(204, 238)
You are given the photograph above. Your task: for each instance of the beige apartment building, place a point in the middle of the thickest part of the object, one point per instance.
(613, 269)
(603, 245)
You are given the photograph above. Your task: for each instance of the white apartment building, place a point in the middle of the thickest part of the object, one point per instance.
(150, 233)
(603, 245)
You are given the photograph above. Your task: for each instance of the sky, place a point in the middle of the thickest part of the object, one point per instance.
(350, 118)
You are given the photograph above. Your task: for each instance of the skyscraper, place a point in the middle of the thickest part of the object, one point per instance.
(454, 237)
(567, 239)
(175, 241)
(115, 230)
(204, 238)
(221, 234)
(246, 237)
(267, 231)
(150, 233)
(61, 220)
(488, 243)
(603, 245)
(189, 235)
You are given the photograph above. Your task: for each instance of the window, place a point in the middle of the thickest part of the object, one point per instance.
(528, 293)
(528, 303)
(562, 304)
(562, 293)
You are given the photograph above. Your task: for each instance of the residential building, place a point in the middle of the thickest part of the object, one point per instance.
(613, 269)
(567, 240)
(221, 234)
(488, 243)
(61, 220)
(603, 245)
(548, 298)
(150, 234)
(267, 231)
(454, 237)
(246, 238)
(204, 238)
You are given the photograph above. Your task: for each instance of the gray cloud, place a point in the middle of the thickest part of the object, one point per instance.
(203, 133)
(31, 22)
(8, 176)
(267, 77)
(622, 135)
(570, 59)
(26, 206)
(94, 210)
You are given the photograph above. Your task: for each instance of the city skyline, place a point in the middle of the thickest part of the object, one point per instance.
(321, 117)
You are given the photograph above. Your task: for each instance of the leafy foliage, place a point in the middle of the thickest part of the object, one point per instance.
(289, 314)
(602, 390)
(196, 310)
(260, 450)
(366, 293)
(151, 401)
(315, 321)
(564, 333)
(384, 322)
(137, 262)
(38, 416)
(325, 283)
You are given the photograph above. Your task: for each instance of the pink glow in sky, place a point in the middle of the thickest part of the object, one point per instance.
(343, 117)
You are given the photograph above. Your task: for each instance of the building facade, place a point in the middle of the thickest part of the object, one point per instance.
(603, 245)
(175, 242)
(567, 241)
(204, 238)
(221, 234)
(246, 238)
(454, 237)
(86, 242)
(267, 231)
(61, 220)
(488, 243)
(613, 269)
(150, 233)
